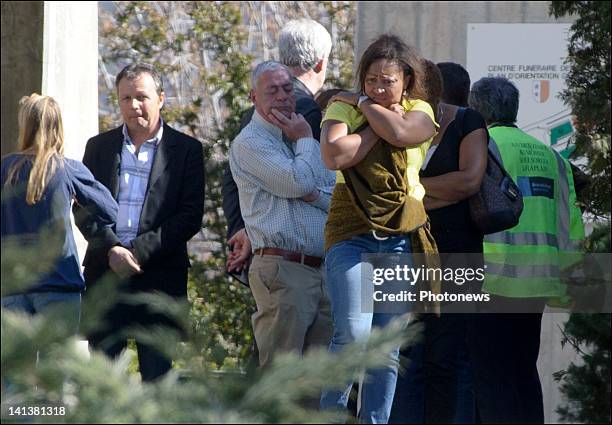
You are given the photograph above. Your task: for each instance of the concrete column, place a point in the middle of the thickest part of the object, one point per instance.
(70, 68)
(553, 358)
(70, 75)
(21, 52)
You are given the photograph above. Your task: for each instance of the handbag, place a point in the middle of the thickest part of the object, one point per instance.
(498, 205)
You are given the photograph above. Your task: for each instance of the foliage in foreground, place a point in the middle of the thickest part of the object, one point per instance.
(98, 390)
(94, 389)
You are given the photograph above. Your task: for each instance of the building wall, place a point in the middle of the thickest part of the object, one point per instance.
(439, 29)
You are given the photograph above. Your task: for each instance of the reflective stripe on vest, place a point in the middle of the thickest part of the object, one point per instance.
(523, 238)
(562, 239)
(512, 271)
(563, 207)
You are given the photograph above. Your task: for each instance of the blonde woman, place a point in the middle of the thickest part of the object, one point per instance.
(38, 187)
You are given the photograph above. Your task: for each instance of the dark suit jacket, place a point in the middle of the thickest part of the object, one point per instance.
(171, 213)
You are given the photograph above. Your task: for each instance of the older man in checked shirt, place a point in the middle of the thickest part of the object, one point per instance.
(284, 191)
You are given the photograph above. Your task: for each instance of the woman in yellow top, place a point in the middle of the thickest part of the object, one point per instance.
(377, 204)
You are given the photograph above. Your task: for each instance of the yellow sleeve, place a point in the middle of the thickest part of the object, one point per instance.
(414, 105)
(343, 112)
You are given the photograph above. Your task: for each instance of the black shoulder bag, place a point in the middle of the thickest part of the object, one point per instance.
(498, 205)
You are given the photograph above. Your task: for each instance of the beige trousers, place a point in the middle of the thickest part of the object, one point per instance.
(293, 309)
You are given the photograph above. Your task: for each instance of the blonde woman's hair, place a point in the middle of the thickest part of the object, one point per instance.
(41, 140)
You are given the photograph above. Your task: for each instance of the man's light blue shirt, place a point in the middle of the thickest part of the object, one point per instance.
(136, 167)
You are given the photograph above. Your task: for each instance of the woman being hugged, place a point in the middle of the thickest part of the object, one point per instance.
(377, 140)
(38, 188)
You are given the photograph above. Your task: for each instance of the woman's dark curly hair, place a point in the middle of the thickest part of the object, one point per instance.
(391, 47)
(433, 84)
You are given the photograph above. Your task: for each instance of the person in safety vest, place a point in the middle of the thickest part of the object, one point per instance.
(523, 264)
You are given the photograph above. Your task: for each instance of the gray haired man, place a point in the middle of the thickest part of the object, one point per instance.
(284, 192)
(304, 46)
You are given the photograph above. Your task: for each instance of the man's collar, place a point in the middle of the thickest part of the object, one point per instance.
(274, 130)
(156, 139)
(299, 85)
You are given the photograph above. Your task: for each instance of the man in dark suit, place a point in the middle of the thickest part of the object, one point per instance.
(304, 46)
(156, 174)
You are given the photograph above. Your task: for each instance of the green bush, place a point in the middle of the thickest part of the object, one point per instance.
(586, 385)
(224, 308)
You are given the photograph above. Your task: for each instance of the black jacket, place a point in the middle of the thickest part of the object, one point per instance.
(171, 213)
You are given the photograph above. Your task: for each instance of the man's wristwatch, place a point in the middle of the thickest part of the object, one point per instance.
(362, 99)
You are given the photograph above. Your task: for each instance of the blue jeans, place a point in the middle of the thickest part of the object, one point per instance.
(41, 302)
(353, 320)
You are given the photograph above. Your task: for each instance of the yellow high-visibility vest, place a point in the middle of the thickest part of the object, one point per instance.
(526, 260)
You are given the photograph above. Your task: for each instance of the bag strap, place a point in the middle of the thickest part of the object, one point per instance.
(494, 152)
(492, 149)
(459, 122)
